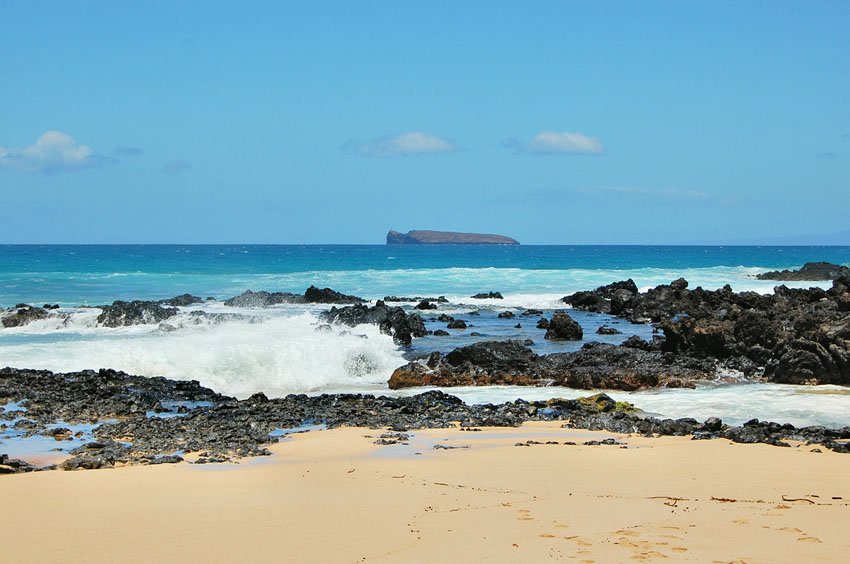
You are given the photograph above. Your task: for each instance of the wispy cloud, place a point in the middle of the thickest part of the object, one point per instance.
(404, 144)
(52, 153)
(172, 168)
(668, 193)
(124, 151)
(828, 155)
(557, 143)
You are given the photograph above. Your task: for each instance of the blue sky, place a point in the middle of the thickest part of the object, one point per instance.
(318, 122)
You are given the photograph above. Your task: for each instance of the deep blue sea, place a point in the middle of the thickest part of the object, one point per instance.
(279, 350)
(91, 274)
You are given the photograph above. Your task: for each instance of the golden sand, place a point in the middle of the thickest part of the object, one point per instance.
(334, 496)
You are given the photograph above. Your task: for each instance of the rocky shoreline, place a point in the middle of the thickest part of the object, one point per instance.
(135, 424)
(791, 336)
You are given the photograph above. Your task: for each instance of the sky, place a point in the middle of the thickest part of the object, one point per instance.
(332, 122)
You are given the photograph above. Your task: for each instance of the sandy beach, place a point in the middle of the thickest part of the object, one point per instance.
(335, 496)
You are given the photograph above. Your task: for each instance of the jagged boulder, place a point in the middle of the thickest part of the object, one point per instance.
(391, 320)
(314, 295)
(137, 312)
(562, 327)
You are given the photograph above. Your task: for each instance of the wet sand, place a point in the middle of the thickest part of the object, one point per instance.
(334, 496)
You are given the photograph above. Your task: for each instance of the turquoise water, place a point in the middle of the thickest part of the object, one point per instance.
(283, 349)
(92, 274)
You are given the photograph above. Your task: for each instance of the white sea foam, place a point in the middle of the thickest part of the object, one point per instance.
(278, 350)
(734, 403)
(277, 355)
(71, 320)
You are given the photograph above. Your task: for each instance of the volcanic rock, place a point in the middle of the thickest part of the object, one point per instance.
(562, 327)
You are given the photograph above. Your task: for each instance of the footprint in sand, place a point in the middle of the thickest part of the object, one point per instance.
(791, 530)
(814, 540)
(546, 536)
(648, 555)
(582, 542)
(524, 515)
(679, 549)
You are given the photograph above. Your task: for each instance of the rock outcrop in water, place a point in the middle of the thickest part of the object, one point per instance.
(513, 363)
(217, 428)
(391, 320)
(122, 314)
(424, 237)
(488, 296)
(791, 336)
(182, 300)
(810, 271)
(562, 327)
(312, 295)
(21, 314)
(118, 314)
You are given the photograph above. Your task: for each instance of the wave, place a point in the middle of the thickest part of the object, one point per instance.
(458, 283)
(275, 355)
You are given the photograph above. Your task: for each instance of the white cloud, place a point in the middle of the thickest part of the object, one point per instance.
(409, 143)
(53, 152)
(558, 143)
(564, 142)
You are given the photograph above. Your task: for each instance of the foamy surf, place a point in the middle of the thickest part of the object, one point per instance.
(276, 355)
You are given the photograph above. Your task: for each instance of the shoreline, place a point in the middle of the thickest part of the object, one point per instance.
(107, 418)
(660, 497)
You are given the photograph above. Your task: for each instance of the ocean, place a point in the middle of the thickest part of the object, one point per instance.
(278, 350)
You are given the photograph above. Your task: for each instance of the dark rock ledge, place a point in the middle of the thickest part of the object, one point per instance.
(809, 272)
(229, 429)
(794, 336)
(595, 366)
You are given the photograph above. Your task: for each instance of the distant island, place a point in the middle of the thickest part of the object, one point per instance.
(423, 237)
